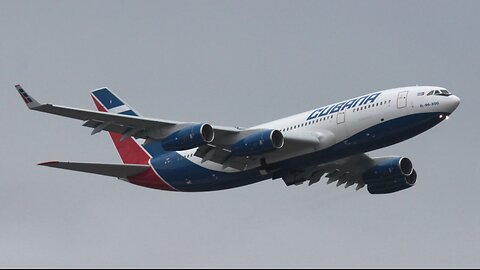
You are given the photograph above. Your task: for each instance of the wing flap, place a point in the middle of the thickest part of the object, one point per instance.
(347, 171)
(114, 170)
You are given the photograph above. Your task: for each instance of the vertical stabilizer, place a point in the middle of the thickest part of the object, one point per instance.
(128, 148)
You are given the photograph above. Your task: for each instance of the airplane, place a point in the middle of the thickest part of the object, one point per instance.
(329, 141)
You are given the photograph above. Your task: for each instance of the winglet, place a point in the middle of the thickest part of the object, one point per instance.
(30, 101)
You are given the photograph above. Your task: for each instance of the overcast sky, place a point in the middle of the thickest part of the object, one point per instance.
(236, 63)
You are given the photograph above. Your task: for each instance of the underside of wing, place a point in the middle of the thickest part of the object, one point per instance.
(294, 144)
(115, 170)
(347, 171)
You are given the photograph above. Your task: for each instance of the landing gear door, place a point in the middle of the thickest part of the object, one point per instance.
(402, 99)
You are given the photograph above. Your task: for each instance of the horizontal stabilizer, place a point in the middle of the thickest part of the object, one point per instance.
(115, 170)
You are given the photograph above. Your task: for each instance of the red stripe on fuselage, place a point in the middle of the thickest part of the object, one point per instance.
(151, 180)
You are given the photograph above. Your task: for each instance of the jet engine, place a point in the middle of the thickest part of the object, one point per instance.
(390, 174)
(189, 137)
(258, 143)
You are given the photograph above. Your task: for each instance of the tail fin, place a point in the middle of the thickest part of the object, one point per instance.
(130, 151)
(112, 103)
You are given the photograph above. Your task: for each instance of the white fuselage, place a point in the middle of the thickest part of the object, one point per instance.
(347, 118)
(348, 122)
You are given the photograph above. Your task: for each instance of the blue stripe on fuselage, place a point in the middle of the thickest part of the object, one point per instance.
(185, 175)
(381, 135)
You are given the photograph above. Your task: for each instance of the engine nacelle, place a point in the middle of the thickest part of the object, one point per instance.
(393, 185)
(189, 137)
(258, 143)
(390, 175)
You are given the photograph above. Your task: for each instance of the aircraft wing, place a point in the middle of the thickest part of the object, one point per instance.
(216, 151)
(116, 170)
(346, 171)
(127, 125)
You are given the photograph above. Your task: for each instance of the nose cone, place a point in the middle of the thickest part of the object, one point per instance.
(454, 101)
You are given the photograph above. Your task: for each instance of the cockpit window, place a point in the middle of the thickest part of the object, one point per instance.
(445, 93)
(439, 93)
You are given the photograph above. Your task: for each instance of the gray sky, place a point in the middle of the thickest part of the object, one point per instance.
(233, 63)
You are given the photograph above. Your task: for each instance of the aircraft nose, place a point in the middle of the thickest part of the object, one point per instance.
(454, 102)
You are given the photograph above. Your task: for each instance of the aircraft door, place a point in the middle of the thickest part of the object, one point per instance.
(402, 99)
(341, 130)
(341, 117)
